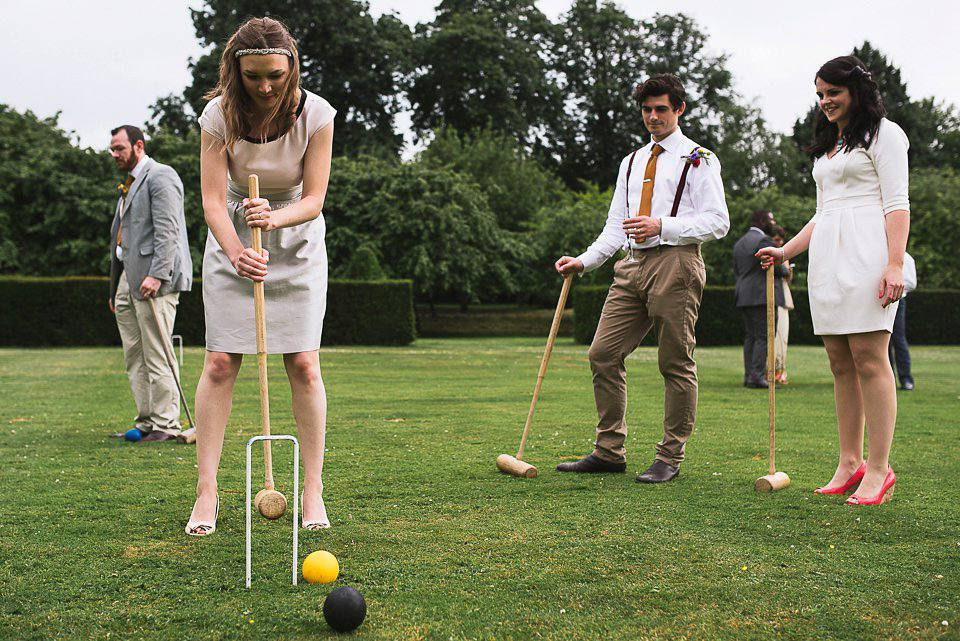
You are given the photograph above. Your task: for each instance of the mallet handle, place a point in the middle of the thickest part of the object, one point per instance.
(771, 391)
(557, 315)
(253, 189)
(168, 352)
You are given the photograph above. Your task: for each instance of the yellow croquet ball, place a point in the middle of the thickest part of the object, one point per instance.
(320, 567)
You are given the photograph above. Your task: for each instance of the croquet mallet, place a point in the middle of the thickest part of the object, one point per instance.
(270, 503)
(190, 435)
(514, 464)
(774, 480)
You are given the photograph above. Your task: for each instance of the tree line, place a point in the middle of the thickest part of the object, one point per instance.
(520, 122)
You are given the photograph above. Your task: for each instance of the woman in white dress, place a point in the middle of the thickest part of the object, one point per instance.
(856, 240)
(260, 121)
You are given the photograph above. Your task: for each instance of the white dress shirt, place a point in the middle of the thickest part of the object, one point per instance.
(702, 214)
(136, 171)
(909, 273)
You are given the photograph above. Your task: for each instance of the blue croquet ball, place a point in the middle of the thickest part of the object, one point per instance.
(133, 435)
(344, 609)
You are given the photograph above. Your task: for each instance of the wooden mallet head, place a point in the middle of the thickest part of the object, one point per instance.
(512, 465)
(270, 503)
(772, 482)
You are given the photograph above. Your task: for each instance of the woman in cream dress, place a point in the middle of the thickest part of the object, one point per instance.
(856, 241)
(782, 335)
(260, 121)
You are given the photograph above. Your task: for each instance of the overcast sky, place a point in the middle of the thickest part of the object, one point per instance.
(104, 62)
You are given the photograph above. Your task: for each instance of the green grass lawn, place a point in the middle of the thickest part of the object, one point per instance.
(445, 547)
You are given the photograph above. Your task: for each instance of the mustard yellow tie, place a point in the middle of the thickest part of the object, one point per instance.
(126, 186)
(649, 174)
(123, 202)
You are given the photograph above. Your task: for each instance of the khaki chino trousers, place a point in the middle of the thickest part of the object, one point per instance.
(660, 289)
(153, 386)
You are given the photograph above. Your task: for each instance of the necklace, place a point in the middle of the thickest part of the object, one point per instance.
(839, 144)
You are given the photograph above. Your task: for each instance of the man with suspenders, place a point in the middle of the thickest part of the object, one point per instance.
(668, 200)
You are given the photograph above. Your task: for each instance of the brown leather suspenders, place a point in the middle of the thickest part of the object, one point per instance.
(680, 186)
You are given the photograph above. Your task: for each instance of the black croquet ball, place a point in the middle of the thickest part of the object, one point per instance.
(344, 609)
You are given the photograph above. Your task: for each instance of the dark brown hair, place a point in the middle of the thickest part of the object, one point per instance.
(256, 33)
(762, 219)
(658, 85)
(866, 107)
(133, 134)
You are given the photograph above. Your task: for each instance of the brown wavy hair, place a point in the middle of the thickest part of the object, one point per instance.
(659, 84)
(255, 33)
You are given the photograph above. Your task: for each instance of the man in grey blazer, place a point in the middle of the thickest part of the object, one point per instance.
(150, 259)
(751, 296)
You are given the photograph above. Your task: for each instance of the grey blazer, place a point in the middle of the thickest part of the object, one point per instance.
(751, 287)
(154, 234)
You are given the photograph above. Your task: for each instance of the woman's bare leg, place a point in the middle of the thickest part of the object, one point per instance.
(850, 411)
(310, 413)
(880, 404)
(213, 401)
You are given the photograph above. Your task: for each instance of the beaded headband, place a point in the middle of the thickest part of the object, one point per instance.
(262, 52)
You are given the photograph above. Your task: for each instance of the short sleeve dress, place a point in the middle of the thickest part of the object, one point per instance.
(295, 290)
(848, 249)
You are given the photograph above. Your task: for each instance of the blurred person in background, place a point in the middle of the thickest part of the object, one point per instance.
(899, 349)
(149, 259)
(751, 296)
(782, 337)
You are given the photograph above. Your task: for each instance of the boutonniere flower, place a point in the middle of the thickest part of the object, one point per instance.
(697, 155)
(122, 189)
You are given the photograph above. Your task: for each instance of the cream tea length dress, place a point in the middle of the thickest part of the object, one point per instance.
(295, 290)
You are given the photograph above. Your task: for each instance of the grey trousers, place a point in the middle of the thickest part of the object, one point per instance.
(659, 289)
(754, 343)
(151, 381)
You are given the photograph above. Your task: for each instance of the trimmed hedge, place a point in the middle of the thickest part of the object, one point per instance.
(54, 312)
(931, 317)
(369, 313)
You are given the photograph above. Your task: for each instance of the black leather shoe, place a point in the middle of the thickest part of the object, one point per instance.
(157, 436)
(760, 383)
(659, 472)
(591, 464)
